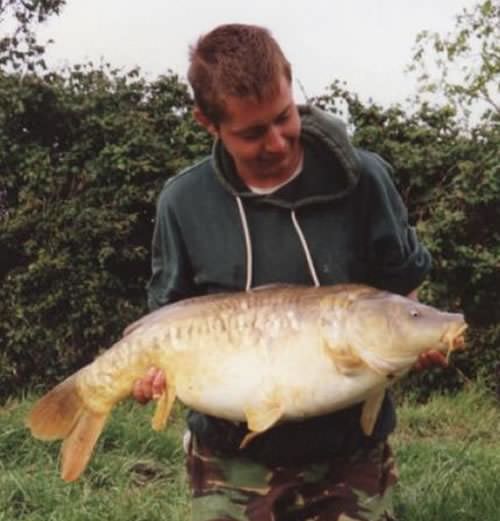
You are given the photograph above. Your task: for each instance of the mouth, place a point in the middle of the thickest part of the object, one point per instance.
(454, 339)
(274, 161)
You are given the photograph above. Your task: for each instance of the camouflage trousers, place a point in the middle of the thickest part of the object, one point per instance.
(354, 488)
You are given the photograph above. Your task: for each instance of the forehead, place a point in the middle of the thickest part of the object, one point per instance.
(248, 111)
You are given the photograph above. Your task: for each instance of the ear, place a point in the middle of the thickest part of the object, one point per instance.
(200, 117)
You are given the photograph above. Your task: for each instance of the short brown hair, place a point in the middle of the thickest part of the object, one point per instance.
(235, 60)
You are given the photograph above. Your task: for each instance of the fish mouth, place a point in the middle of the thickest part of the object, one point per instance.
(454, 339)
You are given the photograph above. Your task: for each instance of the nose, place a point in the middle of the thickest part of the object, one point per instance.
(275, 141)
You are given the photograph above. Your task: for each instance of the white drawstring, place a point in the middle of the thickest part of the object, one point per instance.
(303, 241)
(248, 246)
(248, 243)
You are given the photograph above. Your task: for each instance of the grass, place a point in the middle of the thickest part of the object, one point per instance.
(135, 474)
(448, 453)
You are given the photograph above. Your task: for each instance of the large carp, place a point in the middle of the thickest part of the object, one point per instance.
(265, 356)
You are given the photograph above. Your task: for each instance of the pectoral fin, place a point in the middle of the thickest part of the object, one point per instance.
(383, 366)
(261, 418)
(345, 361)
(370, 411)
(163, 408)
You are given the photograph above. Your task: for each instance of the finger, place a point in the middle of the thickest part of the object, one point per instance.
(419, 365)
(423, 362)
(138, 392)
(145, 386)
(158, 385)
(430, 359)
(438, 358)
(151, 374)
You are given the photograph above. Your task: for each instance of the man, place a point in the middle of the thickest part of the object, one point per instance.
(284, 198)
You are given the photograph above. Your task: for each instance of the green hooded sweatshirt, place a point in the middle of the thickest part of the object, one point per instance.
(340, 220)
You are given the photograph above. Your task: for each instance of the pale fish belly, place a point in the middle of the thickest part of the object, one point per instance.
(309, 384)
(289, 368)
(228, 364)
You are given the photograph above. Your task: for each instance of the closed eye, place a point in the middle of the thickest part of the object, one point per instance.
(253, 133)
(283, 117)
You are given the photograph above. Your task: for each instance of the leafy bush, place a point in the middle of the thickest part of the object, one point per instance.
(84, 154)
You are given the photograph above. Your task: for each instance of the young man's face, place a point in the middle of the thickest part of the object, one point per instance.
(262, 136)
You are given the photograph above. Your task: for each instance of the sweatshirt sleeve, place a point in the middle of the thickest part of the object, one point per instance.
(398, 262)
(171, 278)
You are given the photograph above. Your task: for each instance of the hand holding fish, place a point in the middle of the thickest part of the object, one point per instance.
(149, 387)
(430, 359)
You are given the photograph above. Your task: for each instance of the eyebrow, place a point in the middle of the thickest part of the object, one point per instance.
(258, 127)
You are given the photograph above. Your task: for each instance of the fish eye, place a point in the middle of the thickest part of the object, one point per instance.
(414, 313)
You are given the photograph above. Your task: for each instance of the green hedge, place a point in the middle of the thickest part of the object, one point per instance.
(84, 153)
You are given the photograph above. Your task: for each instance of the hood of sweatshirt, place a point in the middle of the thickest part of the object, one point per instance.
(325, 142)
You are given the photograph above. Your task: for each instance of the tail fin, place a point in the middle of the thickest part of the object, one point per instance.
(55, 414)
(78, 446)
(61, 414)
